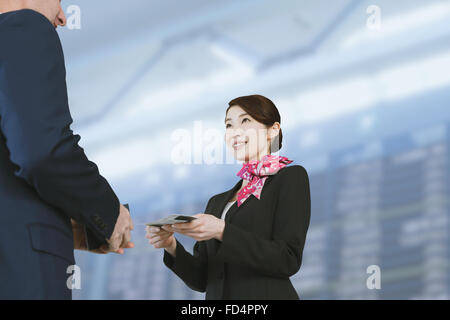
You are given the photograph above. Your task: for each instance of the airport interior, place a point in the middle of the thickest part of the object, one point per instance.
(361, 87)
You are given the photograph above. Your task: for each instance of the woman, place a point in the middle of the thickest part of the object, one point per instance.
(250, 239)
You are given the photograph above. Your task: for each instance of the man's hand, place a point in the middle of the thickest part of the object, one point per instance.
(121, 236)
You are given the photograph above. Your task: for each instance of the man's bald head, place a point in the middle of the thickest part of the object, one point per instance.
(49, 8)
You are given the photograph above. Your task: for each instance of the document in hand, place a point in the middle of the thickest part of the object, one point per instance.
(172, 219)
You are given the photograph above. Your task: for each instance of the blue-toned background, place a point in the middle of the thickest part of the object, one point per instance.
(365, 111)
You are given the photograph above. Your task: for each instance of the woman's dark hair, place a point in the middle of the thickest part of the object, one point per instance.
(262, 110)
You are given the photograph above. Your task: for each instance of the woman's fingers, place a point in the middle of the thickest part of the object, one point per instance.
(158, 235)
(151, 233)
(187, 225)
(159, 238)
(185, 231)
(160, 243)
(168, 228)
(152, 228)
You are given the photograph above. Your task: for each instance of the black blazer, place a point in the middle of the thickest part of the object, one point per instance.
(262, 243)
(45, 177)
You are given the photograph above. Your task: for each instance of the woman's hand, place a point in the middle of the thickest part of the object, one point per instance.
(161, 238)
(205, 227)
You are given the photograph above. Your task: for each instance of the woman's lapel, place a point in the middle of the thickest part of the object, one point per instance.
(221, 203)
(223, 200)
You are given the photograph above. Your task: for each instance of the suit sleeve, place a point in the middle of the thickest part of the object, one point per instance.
(280, 256)
(192, 269)
(35, 120)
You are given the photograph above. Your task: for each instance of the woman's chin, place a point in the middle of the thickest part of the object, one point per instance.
(242, 156)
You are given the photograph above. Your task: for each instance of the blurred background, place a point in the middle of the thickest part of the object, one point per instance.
(363, 91)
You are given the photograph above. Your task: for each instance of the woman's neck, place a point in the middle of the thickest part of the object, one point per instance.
(259, 158)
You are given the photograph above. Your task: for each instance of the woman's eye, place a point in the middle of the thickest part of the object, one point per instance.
(245, 119)
(228, 125)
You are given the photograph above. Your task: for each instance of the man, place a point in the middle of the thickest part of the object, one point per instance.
(52, 197)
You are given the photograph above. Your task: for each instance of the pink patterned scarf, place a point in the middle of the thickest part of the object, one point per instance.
(256, 172)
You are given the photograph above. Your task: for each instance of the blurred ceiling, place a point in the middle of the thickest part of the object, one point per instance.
(138, 70)
(159, 44)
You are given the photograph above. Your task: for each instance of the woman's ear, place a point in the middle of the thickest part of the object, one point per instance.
(273, 133)
(274, 130)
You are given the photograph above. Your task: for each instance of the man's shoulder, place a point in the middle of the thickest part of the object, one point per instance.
(27, 34)
(26, 19)
(24, 16)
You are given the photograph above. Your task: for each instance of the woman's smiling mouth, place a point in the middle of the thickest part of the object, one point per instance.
(237, 145)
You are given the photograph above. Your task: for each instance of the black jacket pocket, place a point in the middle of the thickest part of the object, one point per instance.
(51, 240)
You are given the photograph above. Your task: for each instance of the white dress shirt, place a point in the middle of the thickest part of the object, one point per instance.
(227, 207)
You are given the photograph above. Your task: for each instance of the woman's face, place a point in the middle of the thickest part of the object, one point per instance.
(246, 138)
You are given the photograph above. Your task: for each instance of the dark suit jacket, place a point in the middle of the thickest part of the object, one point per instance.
(45, 177)
(262, 242)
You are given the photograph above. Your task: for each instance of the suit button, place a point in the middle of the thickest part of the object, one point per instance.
(99, 222)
